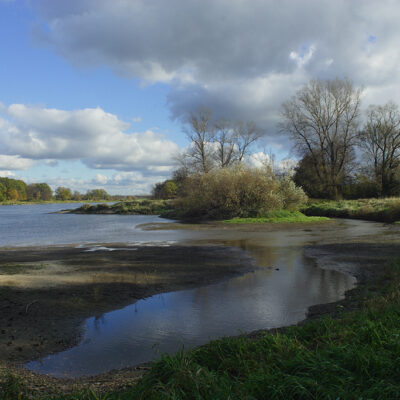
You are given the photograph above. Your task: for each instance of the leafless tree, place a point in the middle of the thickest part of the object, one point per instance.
(225, 148)
(380, 138)
(216, 143)
(322, 118)
(246, 133)
(199, 131)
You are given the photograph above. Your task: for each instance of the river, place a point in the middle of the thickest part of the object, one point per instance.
(277, 294)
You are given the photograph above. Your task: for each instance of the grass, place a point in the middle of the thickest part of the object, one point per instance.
(353, 357)
(381, 210)
(279, 216)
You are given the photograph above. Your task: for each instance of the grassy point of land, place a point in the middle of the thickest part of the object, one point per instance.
(280, 216)
(135, 207)
(380, 210)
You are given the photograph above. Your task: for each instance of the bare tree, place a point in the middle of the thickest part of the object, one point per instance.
(215, 143)
(322, 118)
(246, 133)
(225, 149)
(380, 139)
(200, 132)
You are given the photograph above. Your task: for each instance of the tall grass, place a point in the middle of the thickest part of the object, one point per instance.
(383, 210)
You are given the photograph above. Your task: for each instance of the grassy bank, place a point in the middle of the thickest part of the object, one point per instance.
(278, 216)
(135, 207)
(381, 210)
(353, 357)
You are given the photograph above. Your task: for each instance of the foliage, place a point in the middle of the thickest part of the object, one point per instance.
(63, 193)
(383, 210)
(236, 192)
(165, 190)
(278, 216)
(136, 207)
(97, 194)
(39, 191)
(12, 189)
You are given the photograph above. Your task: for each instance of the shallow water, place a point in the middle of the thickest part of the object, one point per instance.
(277, 294)
(270, 297)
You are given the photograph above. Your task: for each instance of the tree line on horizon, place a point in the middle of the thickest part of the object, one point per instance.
(343, 153)
(17, 190)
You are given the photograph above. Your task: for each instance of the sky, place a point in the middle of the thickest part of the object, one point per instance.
(93, 93)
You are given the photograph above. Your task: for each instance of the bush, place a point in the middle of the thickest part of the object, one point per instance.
(237, 192)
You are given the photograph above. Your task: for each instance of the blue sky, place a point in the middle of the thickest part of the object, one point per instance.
(94, 92)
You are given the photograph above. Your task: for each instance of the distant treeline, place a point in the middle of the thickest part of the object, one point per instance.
(18, 190)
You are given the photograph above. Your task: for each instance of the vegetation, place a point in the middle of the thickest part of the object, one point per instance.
(352, 357)
(383, 210)
(63, 193)
(322, 120)
(38, 192)
(278, 216)
(238, 191)
(216, 143)
(380, 139)
(135, 207)
(12, 189)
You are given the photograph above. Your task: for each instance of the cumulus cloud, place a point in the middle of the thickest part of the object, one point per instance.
(240, 58)
(98, 138)
(15, 162)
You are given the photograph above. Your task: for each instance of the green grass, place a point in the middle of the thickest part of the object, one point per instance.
(278, 216)
(354, 357)
(381, 210)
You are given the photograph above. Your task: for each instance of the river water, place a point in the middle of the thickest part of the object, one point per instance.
(277, 294)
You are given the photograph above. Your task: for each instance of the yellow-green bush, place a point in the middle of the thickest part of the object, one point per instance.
(237, 192)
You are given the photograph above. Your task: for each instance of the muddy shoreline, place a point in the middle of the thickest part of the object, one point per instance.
(134, 273)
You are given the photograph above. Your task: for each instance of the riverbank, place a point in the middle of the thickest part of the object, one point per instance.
(46, 293)
(379, 210)
(362, 259)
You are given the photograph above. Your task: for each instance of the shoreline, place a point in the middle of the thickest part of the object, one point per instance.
(120, 379)
(361, 260)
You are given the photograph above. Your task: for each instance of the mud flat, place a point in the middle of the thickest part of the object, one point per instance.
(47, 293)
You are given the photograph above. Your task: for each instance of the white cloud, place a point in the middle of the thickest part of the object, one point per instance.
(15, 162)
(240, 60)
(7, 174)
(92, 135)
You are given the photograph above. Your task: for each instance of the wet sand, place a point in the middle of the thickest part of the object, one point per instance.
(47, 293)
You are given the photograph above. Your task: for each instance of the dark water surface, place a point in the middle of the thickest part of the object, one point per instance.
(277, 294)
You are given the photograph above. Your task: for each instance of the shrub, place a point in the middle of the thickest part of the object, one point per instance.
(236, 192)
